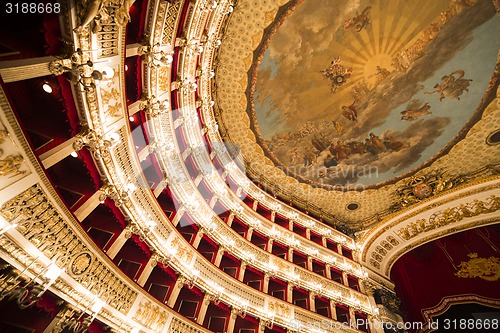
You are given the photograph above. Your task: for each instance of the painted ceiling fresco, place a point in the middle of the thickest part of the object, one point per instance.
(358, 93)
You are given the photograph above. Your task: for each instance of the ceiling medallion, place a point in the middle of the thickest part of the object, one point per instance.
(486, 269)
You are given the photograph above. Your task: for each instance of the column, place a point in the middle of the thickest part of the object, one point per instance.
(309, 263)
(255, 205)
(175, 292)
(118, 243)
(344, 279)
(312, 303)
(333, 310)
(146, 272)
(186, 153)
(273, 216)
(212, 201)
(352, 317)
(308, 233)
(197, 239)
(265, 284)
(230, 219)
(158, 189)
(323, 241)
(241, 272)
(328, 272)
(88, 206)
(177, 217)
(218, 256)
(203, 309)
(249, 234)
(289, 292)
(23, 69)
(232, 321)
(270, 245)
(198, 179)
(58, 153)
(290, 254)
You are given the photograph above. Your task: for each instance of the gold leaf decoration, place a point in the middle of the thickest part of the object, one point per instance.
(484, 268)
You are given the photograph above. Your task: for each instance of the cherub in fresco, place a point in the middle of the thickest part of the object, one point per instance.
(414, 110)
(360, 21)
(451, 86)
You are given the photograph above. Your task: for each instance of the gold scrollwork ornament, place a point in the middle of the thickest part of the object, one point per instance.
(484, 268)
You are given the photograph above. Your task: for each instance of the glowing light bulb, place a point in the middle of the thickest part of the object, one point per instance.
(47, 88)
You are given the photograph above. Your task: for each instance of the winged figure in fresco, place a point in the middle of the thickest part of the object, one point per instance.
(452, 86)
(337, 74)
(360, 21)
(415, 109)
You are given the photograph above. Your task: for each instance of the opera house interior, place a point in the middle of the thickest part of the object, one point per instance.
(249, 166)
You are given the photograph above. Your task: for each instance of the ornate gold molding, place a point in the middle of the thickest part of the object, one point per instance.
(449, 216)
(485, 268)
(378, 230)
(41, 224)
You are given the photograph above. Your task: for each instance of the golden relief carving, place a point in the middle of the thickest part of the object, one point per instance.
(449, 216)
(151, 316)
(183, 252)
(10, 165)
(80, 263)
(281, 266)
(422, 186)
(486, 269)
(279, 309)
(42, 225)
(110, 97)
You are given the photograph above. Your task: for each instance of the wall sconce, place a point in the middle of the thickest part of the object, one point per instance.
(295, 325)
(268, 321)
(190, 281)
(154, 56)
(217, 293)
(27, 292)
(241, 310)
